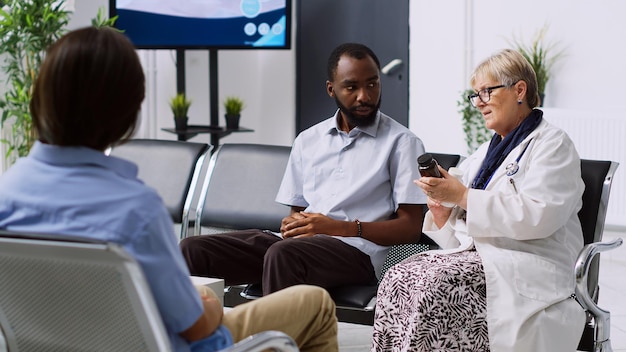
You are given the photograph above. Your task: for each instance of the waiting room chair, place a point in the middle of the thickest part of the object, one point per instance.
(240, 187)
(64, 294)
(172, 168)
(239, 191)
(598, 177)
(447, 160)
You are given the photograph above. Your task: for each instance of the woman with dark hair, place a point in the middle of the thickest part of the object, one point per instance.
(503, 278)
(86, 98)
(89, 90)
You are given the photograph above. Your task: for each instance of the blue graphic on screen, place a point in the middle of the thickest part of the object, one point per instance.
(250, 8)
(205, 23)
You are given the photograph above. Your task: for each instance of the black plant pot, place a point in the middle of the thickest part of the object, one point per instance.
(232, 121)
(180, 123)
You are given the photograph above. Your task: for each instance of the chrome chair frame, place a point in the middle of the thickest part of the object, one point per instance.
(240, 187)
(172, 168)
(596, 336)
(602, 318)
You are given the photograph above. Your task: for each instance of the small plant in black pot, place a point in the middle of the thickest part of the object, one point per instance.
(180, 106)
(233, 106)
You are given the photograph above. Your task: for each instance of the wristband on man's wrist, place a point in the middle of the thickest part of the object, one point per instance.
(358, 227)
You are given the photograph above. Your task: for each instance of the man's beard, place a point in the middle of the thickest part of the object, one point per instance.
(357, 120)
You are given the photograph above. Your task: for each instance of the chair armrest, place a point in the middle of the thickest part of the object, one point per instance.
(581, 271)
(273, 340)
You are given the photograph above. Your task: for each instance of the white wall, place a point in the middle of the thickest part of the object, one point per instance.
(437, 58)
(264, 79)
(588, 79)
(448, 38)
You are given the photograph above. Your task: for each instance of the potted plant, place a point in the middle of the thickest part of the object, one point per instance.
(27, 28)
(541, 56)
(473, 123)
(233, 106)
(180, 106)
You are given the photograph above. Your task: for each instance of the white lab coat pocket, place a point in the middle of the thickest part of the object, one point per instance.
(535, 277)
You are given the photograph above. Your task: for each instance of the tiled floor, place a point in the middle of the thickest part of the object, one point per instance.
(356, 338)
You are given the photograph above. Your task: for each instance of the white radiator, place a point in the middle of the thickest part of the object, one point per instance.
(601, 136)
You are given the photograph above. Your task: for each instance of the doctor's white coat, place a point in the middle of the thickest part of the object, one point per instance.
(526, 229)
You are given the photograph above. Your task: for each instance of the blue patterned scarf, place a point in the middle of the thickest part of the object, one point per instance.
(499, 148)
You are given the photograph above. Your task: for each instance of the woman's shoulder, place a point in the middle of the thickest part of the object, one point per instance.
(550, 132)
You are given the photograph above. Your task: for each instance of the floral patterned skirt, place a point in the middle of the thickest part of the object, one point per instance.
(433, 302)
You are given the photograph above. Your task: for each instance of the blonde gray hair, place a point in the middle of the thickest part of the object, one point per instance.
(509, 67)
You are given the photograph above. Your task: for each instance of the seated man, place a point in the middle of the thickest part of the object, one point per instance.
(86, 98)
(348, 182)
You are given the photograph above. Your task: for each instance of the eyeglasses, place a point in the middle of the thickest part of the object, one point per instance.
(483, 94)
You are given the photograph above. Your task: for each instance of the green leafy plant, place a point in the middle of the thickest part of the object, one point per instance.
(473, 123)
(102, 20)
(540, 54)
(27, 28)
(180, 105)
(233, 105)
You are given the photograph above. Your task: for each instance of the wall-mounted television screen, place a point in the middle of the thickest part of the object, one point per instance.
(208, 24)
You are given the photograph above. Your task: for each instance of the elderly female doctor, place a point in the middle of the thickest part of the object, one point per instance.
(503, 280)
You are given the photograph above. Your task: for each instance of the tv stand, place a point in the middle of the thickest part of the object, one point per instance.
(215, 132)
(213, 128)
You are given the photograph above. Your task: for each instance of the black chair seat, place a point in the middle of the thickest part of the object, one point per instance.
(357, 296)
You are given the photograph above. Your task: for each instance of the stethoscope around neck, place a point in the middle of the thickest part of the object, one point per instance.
(513, 167)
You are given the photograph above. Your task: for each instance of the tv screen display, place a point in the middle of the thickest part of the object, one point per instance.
(220, 24)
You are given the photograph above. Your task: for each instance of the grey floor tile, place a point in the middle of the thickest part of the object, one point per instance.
(354, 337)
